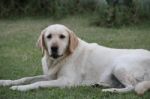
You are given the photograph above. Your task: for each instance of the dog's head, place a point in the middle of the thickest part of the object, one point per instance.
(57, 40)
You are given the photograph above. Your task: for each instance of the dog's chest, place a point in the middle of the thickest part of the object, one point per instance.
(50, 67)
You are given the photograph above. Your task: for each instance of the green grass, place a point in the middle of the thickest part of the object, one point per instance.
(19, 56)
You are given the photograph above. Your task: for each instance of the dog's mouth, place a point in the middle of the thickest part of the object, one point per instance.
(55, 56)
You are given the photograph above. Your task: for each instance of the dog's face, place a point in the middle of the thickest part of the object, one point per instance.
(56, 40)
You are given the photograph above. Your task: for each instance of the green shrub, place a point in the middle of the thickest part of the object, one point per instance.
(105, 12)
(123, 12)
(143, 8)
(55, 8)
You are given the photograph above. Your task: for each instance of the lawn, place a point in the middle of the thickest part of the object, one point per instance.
(19, 56)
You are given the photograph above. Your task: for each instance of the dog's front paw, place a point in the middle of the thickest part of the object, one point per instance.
(5, 82)
(14, 87)
(20, 88)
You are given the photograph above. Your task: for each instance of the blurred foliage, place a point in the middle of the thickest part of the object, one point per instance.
(105, 12)
(55, 8)
(123, 12)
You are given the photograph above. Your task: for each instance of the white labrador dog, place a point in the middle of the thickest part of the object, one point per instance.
(69, 61)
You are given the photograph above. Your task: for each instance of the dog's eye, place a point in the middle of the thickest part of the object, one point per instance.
(62, 36)
(49, 36)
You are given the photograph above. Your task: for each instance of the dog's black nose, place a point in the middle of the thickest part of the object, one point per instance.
(54, 49)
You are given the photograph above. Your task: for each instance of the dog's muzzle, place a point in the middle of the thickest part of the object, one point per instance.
(54, 52)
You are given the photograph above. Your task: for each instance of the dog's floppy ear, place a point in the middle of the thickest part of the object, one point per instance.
(73, 41)
(41, 42)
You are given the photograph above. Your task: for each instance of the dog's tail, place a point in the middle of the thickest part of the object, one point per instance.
(142, 87)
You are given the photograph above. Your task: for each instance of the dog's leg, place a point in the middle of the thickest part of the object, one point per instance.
(142, 87)
(42, 84)
(24, 80)
(103, 84)
(119, 90)
(125, 78)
